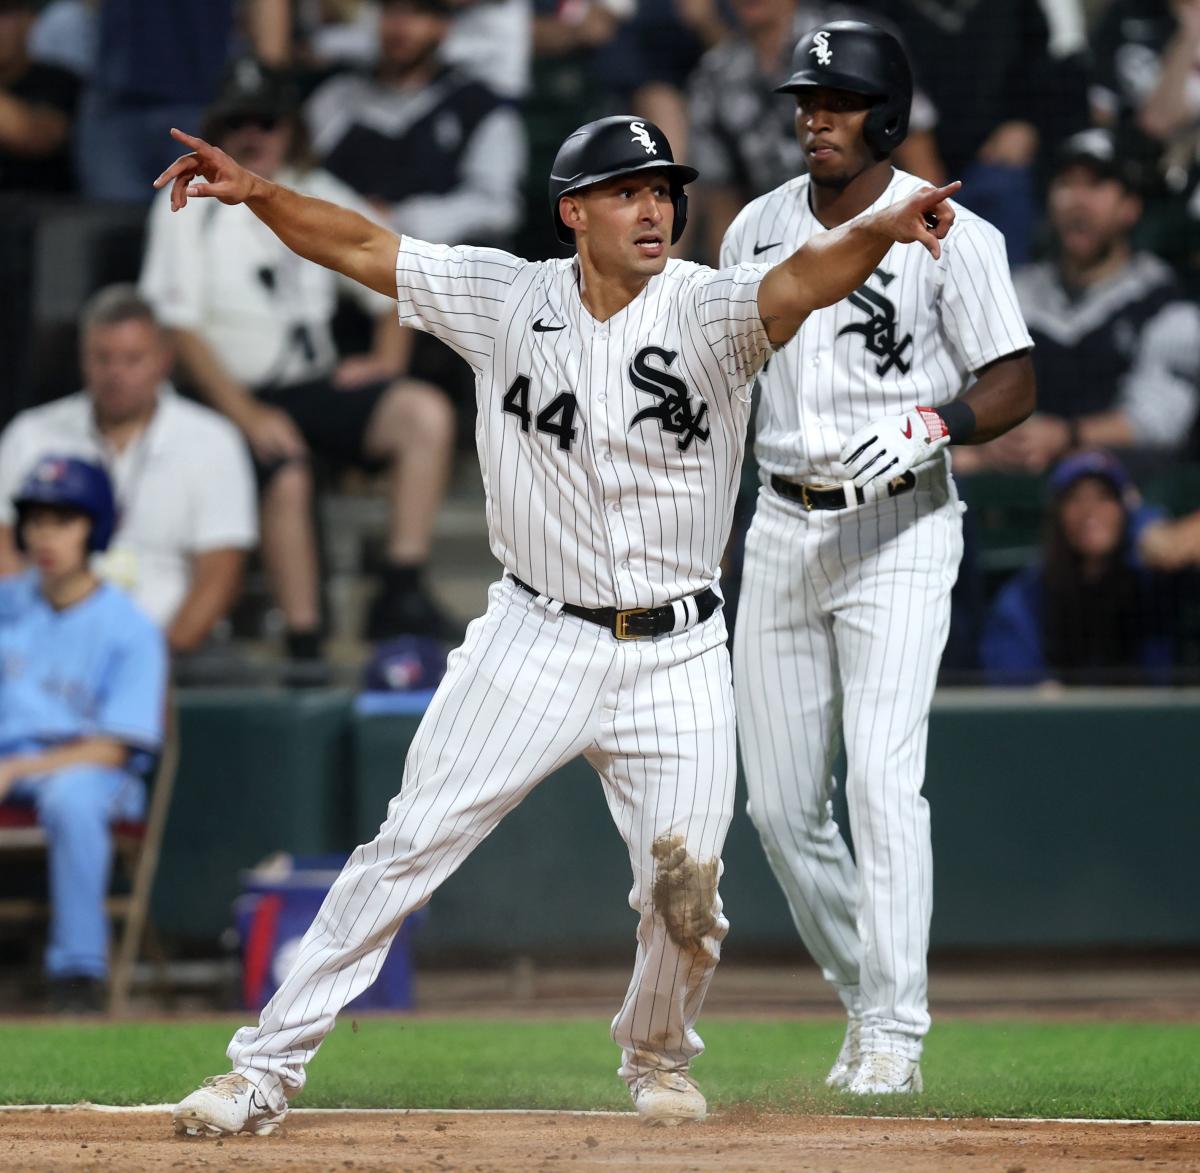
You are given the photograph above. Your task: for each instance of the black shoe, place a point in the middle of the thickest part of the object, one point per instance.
(410, 612)
(76, 995)
(305, 667)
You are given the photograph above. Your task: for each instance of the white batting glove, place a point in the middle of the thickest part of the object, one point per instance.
(889, 447)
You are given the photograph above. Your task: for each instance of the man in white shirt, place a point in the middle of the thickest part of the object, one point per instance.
(253, 324)
(183, 478)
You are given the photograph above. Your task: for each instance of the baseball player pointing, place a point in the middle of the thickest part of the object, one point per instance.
(613, 394)
(856, 542)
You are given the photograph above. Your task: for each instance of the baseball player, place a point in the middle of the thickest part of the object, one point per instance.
(856, 542)
(613, 392)
(82, 689)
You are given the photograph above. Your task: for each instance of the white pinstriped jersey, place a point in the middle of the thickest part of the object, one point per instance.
(611, 451)
(913, 334)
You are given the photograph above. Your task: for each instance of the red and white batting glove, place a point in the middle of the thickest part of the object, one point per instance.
(889, 447)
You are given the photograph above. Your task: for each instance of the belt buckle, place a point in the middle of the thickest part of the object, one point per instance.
(621, 624)
(805, 500)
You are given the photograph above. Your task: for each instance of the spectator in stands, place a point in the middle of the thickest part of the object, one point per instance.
(1010, 79)
(1146, 88)
(1088, 612)
(37, 107)
(65, 34)
(743, 135)
(1117, 349)
(82, 698)
(253, 328)
(437, 153)
(183, 478)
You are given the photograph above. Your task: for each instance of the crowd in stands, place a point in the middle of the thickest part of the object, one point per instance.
(226, 384)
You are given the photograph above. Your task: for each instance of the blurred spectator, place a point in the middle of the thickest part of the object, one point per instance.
(1089, 612)
(1117, 349)
(157, 66)
(82, 697)
(1146, 87)
(253, 327)
(1010, 80)
(744, 140)
(436, 152)
(37, 105)
(65, 35)
(492, 40)
(183, 477)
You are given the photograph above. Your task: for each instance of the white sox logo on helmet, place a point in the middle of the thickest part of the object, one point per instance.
(824, 53)
(642, 135)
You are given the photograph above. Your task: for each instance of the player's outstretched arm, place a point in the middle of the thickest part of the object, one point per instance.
(322, 232)
(834, 264)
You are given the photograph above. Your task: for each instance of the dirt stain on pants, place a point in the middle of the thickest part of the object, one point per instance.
(685, 892)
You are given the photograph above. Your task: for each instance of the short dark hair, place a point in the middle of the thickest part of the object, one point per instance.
(115, 304)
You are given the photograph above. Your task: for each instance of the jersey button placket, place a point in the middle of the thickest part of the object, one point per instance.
(603, 427)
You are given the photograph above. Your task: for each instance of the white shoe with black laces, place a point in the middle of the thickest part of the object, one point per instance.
(227, 1104)
(668, 1097)
(882, 1073)
(845, 1067)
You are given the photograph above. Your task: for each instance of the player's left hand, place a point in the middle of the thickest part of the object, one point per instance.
(228, 181)
(925, 218)
(889, 447)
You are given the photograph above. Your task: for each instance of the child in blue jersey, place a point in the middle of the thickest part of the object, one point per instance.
(83, 677)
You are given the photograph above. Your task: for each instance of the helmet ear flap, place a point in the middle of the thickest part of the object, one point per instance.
(680, 201)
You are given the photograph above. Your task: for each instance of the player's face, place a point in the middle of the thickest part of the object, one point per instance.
(625, 223)
(55, 539)
(1092, 518)
(123, 365)
(1090, 213)
(409, 35)
(258, 142)
(829, 124)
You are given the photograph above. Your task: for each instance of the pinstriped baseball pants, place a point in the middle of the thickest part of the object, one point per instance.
(528, 691)
(841, 624)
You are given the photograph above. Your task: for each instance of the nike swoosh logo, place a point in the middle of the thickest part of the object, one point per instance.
(907, 433)
(539, 327)
(762, 248)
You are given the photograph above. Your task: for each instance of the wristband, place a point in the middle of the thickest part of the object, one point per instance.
(959, 418)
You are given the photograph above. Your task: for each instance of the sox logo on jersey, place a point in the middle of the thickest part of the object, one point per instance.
(879, 331)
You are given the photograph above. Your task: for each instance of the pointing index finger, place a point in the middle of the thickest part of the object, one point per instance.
(941, 193)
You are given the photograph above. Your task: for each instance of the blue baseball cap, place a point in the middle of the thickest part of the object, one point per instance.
(1099, 464)
(66, 482)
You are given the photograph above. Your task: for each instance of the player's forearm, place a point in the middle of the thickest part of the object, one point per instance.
(213, 381)
(216, 579)
(829, 267)
(88, 751)
(328, 235)
(1003, 395)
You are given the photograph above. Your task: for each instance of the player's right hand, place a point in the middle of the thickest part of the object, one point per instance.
(228, 181)
(273, 435)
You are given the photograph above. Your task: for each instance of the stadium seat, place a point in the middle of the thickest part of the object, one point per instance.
(135, 855)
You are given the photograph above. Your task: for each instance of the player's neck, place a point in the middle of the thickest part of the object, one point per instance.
(65, 590)
(605, 294)
(834, 205)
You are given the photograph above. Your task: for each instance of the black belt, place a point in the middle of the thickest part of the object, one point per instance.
(637, 622)
(814, 497)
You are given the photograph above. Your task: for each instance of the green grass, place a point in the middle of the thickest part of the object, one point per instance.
(1132, 1070)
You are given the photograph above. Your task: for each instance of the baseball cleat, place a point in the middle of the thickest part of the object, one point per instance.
(845, 1066)
(884, 1074)
(668, 1098)
(227, 1104)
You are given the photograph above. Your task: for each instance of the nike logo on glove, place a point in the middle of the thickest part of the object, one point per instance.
(539, 327)
(906, 432)
(762, 248)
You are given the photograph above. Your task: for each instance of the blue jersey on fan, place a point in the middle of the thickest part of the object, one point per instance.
(96, 668)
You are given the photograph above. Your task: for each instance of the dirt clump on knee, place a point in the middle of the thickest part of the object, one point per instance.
(685, 892)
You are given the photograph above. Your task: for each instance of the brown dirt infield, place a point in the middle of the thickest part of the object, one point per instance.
(736, 1141)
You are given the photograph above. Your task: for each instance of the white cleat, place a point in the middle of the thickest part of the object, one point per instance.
(845, 1067)
(884, 1074)
(227, 1104)
(668, 1098)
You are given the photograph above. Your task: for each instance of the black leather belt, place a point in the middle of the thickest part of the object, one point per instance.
(819, 497)
(638, 622)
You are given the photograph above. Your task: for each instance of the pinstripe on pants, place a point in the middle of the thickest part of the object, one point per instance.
(841, 624)
(528, 691)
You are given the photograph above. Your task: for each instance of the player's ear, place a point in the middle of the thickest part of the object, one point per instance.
(571, 211)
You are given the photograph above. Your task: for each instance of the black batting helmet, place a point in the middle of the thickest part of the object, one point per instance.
(610, 147)
(855, 56)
